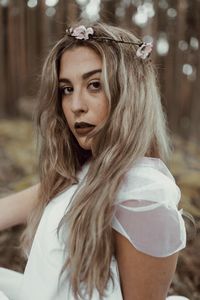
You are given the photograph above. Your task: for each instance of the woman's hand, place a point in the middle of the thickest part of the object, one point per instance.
(16, 208)
(142, 276)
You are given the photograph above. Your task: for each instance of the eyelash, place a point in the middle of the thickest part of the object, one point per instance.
(62, 89)
(93, 82)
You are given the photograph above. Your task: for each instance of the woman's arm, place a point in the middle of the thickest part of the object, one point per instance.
(142, 276)
(16, 208)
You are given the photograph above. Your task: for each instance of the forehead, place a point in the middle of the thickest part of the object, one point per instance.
(79, 60)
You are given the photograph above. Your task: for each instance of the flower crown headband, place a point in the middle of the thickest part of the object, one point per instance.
(83, 33)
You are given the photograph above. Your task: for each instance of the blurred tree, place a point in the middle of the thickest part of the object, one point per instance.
(29, 28)
(108, 11)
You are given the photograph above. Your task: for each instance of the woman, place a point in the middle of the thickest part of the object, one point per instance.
(105, 223)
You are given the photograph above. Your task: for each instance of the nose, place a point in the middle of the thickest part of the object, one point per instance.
(78, 103)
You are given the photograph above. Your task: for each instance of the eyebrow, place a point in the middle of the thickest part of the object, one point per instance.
(84, 76)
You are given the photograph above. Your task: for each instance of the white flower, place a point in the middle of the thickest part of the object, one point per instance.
(81, 32)
(144, 50)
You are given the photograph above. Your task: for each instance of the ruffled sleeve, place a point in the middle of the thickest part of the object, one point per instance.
(146, 210)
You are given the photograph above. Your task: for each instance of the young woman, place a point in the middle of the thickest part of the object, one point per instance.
(103, 223)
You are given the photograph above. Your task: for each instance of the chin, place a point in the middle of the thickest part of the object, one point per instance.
(85, 145)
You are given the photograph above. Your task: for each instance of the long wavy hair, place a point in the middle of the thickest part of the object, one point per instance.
(135, 127)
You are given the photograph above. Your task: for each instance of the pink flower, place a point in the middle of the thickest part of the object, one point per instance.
(144, 50)
(81, 32)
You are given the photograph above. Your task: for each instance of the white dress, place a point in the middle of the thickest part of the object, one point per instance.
(146, 214)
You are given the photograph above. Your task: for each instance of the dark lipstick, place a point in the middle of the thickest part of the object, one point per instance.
(83, 128)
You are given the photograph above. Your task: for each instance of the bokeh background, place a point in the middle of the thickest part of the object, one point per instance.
(29, 28)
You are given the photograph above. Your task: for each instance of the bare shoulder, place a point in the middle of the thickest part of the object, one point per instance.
(142, 276)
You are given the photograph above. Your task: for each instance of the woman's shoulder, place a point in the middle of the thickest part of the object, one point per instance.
(146, 211)
(149, 178)
(150, 167)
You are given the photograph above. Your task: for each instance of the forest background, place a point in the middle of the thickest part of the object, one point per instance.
(28, 28)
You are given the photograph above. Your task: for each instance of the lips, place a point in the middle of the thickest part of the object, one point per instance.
(83, 128)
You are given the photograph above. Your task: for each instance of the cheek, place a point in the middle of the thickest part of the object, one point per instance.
(103, 110)
(66, 114)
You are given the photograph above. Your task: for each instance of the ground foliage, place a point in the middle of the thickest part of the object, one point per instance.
(18, 170)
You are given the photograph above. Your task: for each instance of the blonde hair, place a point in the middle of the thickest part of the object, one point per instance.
(134, 128)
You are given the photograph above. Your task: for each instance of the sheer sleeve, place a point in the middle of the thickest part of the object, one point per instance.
(146, 210)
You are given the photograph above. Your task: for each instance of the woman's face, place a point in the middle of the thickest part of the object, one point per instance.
(84, 102)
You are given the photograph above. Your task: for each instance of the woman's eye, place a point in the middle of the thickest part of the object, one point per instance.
(95, 85)
(66, 90)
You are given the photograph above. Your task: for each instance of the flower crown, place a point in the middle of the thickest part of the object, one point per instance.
(83, 33)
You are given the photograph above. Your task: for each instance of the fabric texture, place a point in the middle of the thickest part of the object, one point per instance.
(146, 214)
(10, 283)
(146, 209)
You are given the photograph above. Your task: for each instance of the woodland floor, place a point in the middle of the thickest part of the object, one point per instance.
(18, 170)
